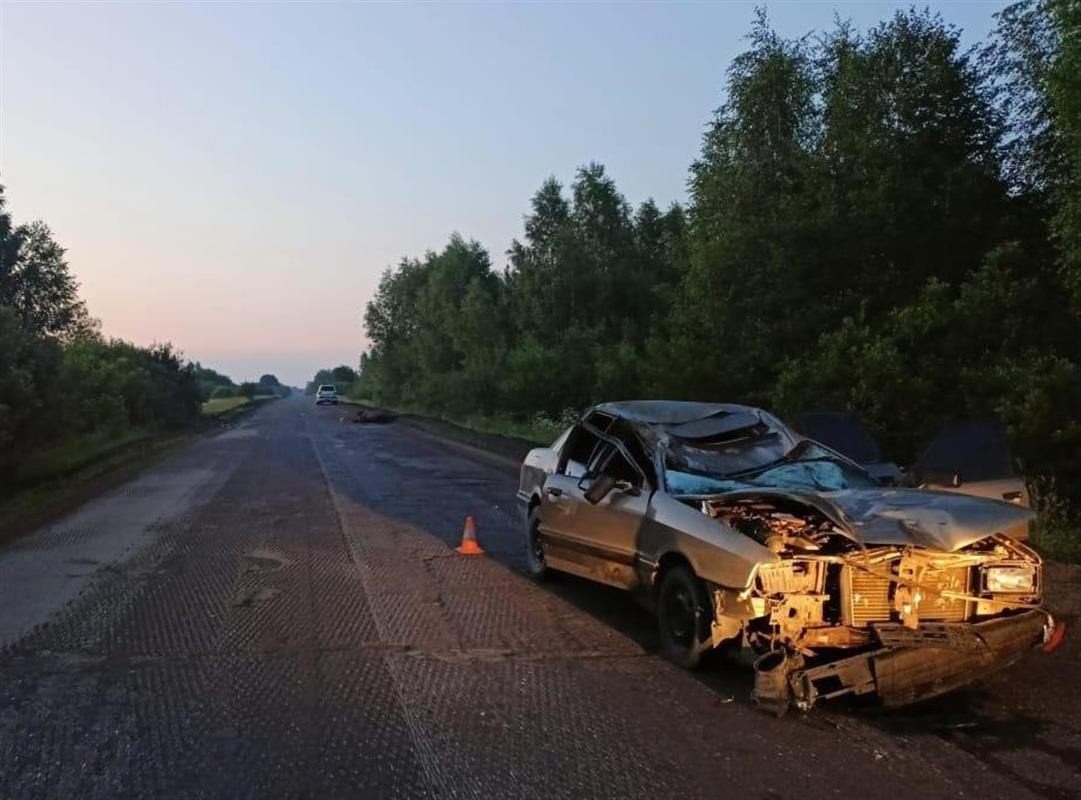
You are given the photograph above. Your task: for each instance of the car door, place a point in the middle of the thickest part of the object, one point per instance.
(597, 541)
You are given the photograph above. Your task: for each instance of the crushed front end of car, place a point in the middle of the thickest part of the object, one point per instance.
(898, 593)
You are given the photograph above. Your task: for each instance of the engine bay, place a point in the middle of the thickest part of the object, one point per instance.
(829, 590)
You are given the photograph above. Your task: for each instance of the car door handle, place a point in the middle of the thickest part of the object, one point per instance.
(552, 491)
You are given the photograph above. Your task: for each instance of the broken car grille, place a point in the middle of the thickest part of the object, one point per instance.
(868, 597)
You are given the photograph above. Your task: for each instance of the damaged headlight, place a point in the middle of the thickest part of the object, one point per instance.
(1010, 579)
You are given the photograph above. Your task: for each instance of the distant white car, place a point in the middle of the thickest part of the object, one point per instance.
(327, 393)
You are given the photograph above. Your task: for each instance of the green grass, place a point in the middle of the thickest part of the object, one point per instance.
(1056, 531)
(1057, 537)
(57, 479)
(536, 428)
(222, 405)
(75, 454)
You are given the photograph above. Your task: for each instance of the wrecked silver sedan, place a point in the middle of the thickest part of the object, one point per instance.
(748, 537)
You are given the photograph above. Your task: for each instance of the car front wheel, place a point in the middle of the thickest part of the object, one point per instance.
(683, 614)
(534, 551)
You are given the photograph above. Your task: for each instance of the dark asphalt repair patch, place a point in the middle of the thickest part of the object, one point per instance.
(366, 660)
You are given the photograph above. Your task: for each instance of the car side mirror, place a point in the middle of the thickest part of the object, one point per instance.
(600, 488)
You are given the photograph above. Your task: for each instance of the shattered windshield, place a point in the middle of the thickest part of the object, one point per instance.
(807, 467)
(724, 444)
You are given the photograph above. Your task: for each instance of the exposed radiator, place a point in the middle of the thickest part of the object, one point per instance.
(869, 598)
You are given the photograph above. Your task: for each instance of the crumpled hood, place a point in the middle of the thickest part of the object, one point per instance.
(919, 517)
(938, 520)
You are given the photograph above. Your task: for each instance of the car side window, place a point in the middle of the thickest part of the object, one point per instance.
(578, 452)
(629, 439)
(601, 421)
(610, 461)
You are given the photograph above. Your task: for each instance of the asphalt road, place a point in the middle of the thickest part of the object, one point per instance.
(276, 612)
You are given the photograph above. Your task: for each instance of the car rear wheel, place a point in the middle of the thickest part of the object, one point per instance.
(534, 552)
(683, 615)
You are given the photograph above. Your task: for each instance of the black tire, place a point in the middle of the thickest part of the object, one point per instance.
(683, 617)
(534, 554)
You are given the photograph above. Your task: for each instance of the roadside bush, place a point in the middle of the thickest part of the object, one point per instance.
(225, 391)
(270, 385)
(210, 380)
(27, 366)
(105, 385)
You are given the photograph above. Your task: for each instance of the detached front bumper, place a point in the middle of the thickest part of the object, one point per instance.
(912, 665)
(907, 675)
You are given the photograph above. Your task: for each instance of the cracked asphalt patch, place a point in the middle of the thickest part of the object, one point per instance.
(296, 626)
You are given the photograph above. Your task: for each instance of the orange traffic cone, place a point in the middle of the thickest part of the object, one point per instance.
(469, 546)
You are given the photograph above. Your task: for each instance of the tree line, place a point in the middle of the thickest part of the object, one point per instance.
(883, 222)
(61, 381)
(213, 385)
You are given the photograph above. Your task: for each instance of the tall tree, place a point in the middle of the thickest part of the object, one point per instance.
(38, 285)
(905, 165)
(10, 241)
(736, 305)
(435, 326)
(540, 277)
(1034, 63)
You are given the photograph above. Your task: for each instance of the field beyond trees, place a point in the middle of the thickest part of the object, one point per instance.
(881, 222)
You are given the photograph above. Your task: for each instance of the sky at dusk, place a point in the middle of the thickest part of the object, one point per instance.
(234, 177)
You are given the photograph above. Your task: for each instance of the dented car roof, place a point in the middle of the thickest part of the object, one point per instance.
(671, 412)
